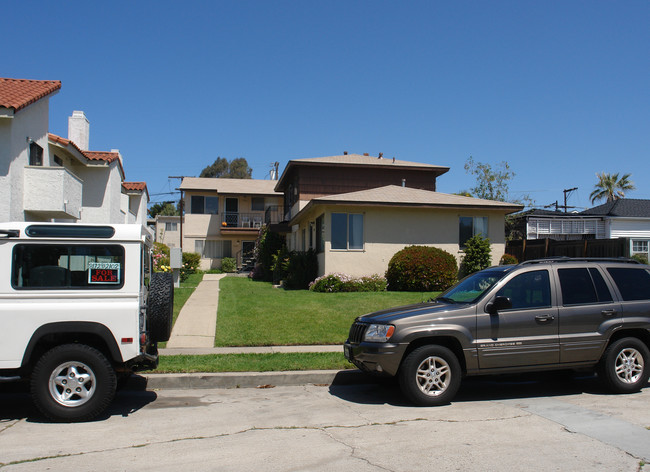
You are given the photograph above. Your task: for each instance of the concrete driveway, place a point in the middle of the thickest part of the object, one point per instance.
(520, 423)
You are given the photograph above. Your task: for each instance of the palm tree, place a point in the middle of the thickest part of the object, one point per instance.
(609, 186)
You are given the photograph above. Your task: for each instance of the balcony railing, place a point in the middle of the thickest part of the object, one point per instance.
(242, 220)
(274, 214)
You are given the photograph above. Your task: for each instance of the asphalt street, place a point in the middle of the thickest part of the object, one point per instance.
(495, 424)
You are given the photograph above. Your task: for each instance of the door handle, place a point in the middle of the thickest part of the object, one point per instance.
(544, 318)
(608, 312)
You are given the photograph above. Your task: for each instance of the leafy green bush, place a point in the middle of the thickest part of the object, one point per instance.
(421, 269)
(508, 259)
(228, 264)
(266, 247)
(477, 255)
(279, 265)
(301, 268)
(344, 283)
(641, 258)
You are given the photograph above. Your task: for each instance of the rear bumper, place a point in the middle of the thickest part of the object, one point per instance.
(376, 358)
(145, 361)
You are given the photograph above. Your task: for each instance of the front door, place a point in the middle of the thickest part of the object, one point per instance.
(526, 334)
(232, 211)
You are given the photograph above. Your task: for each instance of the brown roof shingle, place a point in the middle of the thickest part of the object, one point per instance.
(19, 93)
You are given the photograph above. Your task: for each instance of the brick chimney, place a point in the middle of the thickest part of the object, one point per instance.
(79, 130)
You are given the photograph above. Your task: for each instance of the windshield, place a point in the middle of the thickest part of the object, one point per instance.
(472, 287)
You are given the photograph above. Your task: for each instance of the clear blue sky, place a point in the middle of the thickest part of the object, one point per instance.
(558, 89)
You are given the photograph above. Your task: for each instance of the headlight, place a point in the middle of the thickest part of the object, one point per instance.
(379, 333)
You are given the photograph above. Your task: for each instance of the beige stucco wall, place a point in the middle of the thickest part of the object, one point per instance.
(388, 230)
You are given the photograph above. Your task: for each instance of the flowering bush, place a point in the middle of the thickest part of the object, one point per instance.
(346, 283)
(508, 259)
(191, 261)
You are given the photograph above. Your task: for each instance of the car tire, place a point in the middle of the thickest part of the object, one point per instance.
(430, 376)
(72, 382)
(160, 306)
(625, 365)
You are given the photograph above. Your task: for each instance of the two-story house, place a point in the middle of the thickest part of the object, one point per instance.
(222, 217)
(356, 211)
(47, 177)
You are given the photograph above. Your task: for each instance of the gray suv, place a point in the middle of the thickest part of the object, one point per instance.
(545, 314)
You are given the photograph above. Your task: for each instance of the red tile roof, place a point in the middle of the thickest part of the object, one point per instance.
(137, 186)
(101, 156)
(18, 93)
(63, 141)
(107, 157)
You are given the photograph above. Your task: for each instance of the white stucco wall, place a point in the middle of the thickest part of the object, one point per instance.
(102, 194)
(388, 230)
(30, 122)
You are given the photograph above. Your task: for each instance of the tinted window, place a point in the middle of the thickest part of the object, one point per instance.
(67, 266)
(528, 290)
(197, 204)
(634, 284)
(339, 231)
(577, 287)
(604, 295)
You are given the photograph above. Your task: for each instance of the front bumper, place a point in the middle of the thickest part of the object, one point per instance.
(376, 358)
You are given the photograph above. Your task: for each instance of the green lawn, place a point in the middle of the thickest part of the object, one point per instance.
(254, 362)
(256, 314)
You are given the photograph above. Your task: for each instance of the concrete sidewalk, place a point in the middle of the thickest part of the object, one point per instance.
(197, 322)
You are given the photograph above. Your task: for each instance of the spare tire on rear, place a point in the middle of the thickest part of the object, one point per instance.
(160, 306)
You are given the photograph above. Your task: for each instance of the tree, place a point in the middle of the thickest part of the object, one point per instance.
(163, 209)
(237, 169)
(491, 184)
(612, 188)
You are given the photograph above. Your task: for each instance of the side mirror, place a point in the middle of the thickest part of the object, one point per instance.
(498, 304)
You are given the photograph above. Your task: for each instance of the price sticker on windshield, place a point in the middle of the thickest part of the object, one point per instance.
(103, 273)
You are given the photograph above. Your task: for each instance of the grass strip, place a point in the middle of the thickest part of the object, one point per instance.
(253, 362)
(253, 313)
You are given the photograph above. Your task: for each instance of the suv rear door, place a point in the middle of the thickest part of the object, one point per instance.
(588, 313)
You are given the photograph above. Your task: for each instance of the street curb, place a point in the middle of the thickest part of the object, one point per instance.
(246, 379)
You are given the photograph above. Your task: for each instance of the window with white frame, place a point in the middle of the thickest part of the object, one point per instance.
(347, 231)
(171, 226)
(641, 247)
(213, 249)
(470, 226)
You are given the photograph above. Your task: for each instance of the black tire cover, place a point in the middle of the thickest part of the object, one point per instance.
(160, 306)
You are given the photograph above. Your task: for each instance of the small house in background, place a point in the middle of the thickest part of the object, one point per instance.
(168, 230)
(626, 218)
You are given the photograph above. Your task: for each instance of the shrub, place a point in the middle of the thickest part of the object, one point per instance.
(279, 265)
(301, 268)
(191, 261)
(421, 269)
(345, 283)
(477, 255)
(160, 257)
(228, 264)
(266, 247)
(642, 258)
(508, 259)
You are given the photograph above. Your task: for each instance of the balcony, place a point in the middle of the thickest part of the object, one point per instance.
(52, 192)
(241, 223)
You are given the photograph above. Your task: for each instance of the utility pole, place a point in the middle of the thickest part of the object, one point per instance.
(181, 206)
(567, 191)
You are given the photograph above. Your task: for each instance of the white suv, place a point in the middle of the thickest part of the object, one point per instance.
(79, 311)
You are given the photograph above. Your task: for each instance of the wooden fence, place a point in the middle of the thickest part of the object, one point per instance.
(527, 249)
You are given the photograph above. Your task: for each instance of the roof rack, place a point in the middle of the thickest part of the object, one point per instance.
(9, 233)
(580, 259)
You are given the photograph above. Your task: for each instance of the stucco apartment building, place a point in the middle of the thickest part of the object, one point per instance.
(356, 211)
(223, 217)
(44, 177)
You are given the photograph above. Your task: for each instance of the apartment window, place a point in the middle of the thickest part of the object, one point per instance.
(58, 161)
(257, 204)
(171, 226)
(35, 154)
(347, 231)
(201, 205)
(470, 226)
(212, 249)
